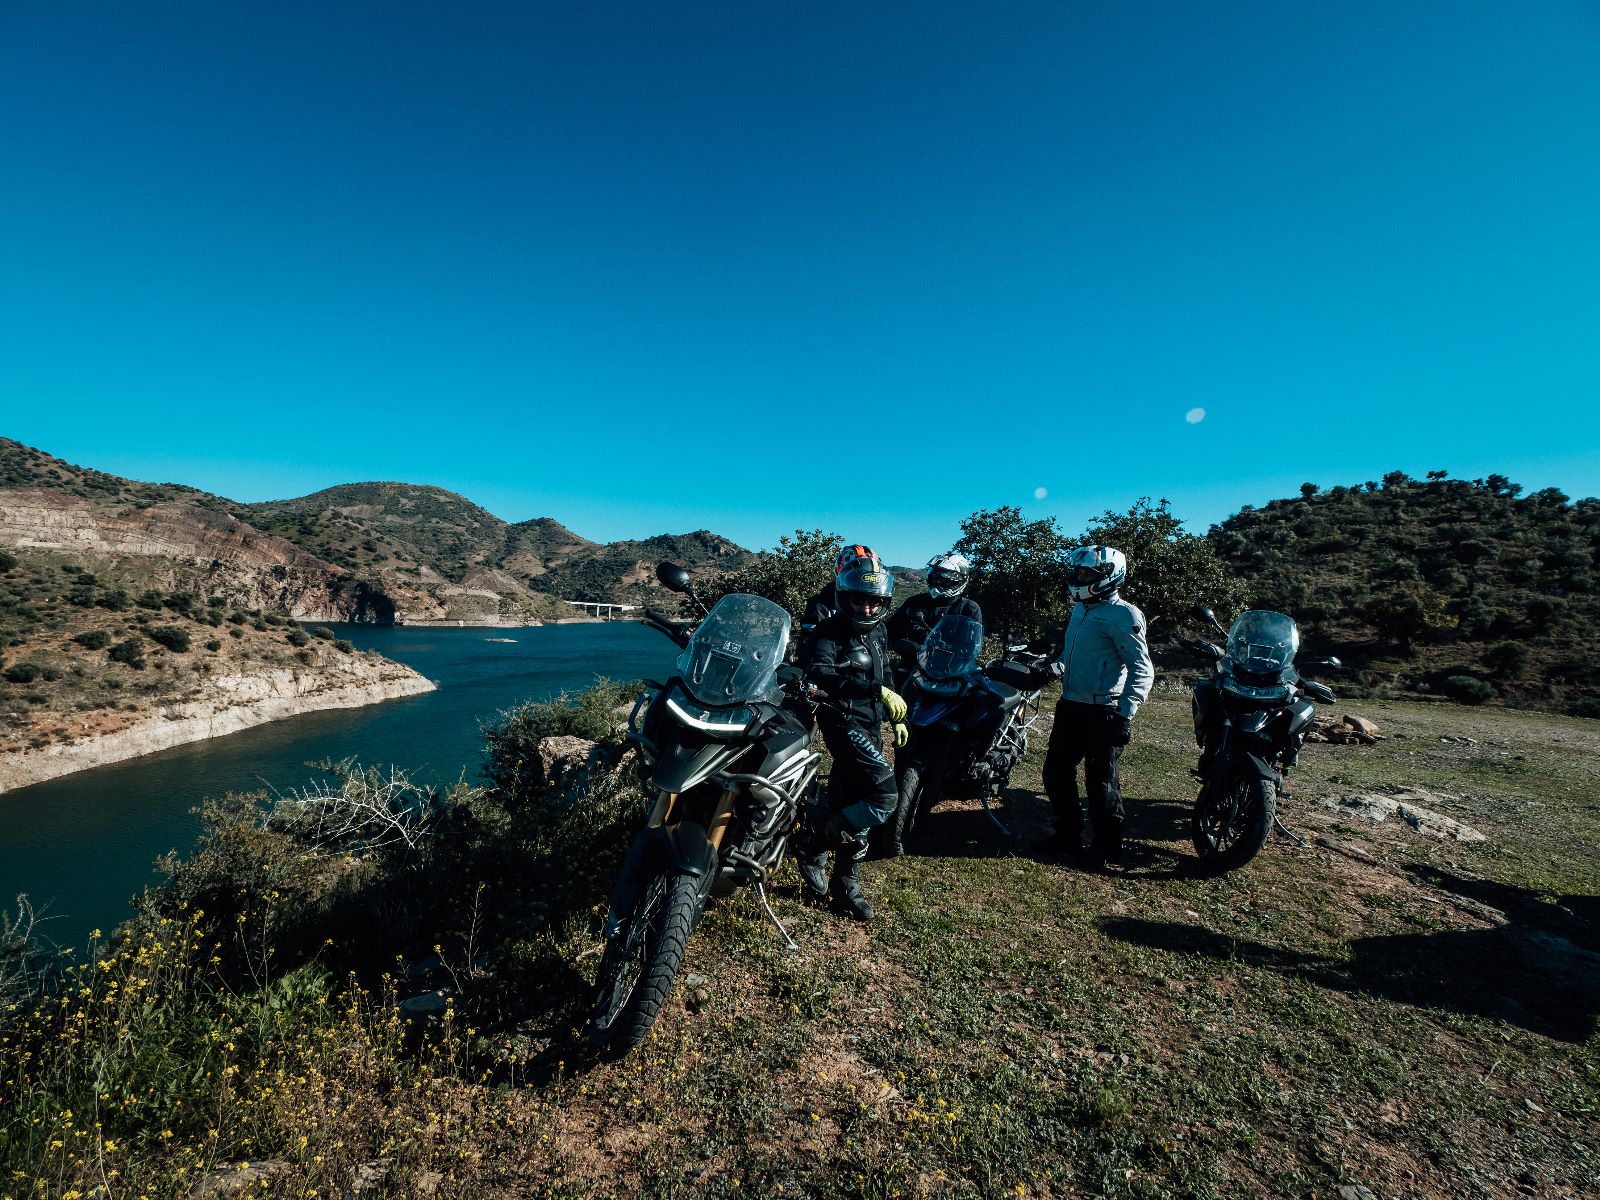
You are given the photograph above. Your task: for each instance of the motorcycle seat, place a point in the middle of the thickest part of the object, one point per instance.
(1009, 696)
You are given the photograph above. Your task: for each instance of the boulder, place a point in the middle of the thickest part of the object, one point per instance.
(1361, 725)
(562, 756)
(1411, 806)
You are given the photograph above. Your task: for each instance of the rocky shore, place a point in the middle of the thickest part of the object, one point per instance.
(231, 702)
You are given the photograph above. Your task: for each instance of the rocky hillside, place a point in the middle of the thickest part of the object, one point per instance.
(360, 552)
(1449, 586)
(96, 669)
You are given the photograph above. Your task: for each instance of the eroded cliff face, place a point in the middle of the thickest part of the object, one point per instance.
(227, 704)
(193, 548)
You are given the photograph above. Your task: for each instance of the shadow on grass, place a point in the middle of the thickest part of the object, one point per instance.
(1531, 972)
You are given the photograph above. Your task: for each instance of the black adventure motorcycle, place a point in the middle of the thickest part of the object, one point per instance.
(969, 727)
(1250, 719)
(730, 766)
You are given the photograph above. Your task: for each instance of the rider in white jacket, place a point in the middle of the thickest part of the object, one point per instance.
(1105, 675)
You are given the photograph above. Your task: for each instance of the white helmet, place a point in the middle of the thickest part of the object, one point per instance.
(1094, 572)
(948, 575)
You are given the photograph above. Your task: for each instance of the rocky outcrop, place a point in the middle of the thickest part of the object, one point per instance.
(230, 703)
(192, 547)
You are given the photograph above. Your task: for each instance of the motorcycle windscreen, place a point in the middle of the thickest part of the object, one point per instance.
(734, 654)
(1263, 643)
(951, 650)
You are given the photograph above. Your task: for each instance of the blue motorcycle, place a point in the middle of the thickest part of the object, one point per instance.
(969, 725)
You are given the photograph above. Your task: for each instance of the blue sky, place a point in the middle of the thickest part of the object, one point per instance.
(749, 267)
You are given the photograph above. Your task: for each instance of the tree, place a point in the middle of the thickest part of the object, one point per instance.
(1018, 571)
(789, 574)
(1405, 612)
(1169, 570)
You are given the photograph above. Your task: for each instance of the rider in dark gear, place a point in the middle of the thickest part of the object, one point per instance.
(847, 656)
(948, 575)
(1105, 675)
(826, 602)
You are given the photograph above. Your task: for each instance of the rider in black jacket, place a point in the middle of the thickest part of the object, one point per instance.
(847, 656)
(914, 620)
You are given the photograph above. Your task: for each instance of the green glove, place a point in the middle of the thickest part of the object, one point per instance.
(895, 705)
(902, 734)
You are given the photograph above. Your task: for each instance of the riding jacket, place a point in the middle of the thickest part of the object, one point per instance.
(1104, 659)
(915, 619)
(852, 668)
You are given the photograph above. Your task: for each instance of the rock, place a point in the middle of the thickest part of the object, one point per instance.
(1361, 725)
(694, 979)
(1355, 1191)
(369, 1176)
(426, 1005)
(244, 1178)
(562, 756)
(1409, 806)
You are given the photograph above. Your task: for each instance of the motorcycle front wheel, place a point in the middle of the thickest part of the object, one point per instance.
(1231, 824)
(640, 963)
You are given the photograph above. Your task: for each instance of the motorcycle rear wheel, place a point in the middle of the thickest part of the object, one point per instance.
(640, 963)
(1230, 827)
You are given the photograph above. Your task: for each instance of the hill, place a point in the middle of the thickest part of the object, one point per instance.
(1375, 1013)
(1440, 586)
(360, 551)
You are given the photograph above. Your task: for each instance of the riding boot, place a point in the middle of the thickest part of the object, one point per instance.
(846, 888)
(1068, 835)
(1106, 847)
(812, 862)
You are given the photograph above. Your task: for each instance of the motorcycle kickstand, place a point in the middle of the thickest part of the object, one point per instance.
(1277, 823)
(788, 942)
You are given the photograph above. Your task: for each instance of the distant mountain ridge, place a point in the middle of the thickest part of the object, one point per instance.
(363, 551)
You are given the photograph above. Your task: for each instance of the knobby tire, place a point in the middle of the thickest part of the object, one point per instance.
(1226, 847)
(669, 908)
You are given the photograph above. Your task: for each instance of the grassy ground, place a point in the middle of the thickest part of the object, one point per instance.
(1372, 1013)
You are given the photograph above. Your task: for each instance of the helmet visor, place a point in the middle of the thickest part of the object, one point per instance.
(1086, 576)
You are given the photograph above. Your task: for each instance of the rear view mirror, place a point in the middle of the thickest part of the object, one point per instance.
(673, 577)
(1206, 615)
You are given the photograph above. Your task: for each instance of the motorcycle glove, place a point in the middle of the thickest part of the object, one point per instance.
(1119, 730)
(895, 705)
(902, 734)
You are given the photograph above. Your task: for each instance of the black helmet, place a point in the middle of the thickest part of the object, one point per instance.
(864, 587)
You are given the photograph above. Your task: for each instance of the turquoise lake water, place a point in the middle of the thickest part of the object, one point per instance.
(83, 845)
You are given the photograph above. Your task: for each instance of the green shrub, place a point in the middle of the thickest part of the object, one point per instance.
(344, 645)
(1469, 689)
(7, 561)
(151, 599)
(512, 741)
(171, 636)
(129, 652)
(323, 632)
(236, 632)
(23, 672)
(299, 637)
(93, 639)
(181, 602)
(214, 645)
(115, 600)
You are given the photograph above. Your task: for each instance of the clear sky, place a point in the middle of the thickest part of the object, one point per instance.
(750, 266)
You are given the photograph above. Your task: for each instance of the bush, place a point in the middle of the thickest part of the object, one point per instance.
(214, 645)
(512, 742)
(129, 652)
(170, 636)
(7, 561)
(344, 645)
(1469, 689)
(151, 599)
(323, 632)
(23, 672)
(236, 632)
(116, 600)
(299, 637)
(93, 639)
(181, 602)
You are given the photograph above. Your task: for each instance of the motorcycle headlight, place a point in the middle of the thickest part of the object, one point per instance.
(1276, 691)
(722, 723)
